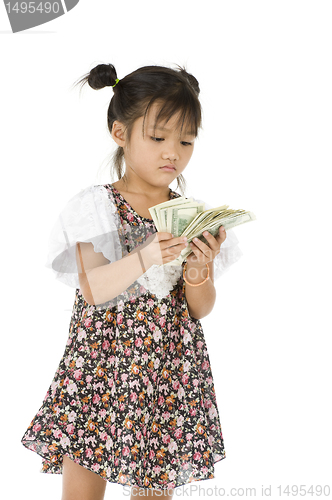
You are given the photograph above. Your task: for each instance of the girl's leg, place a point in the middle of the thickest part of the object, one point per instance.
(141, 493)
(79, 483)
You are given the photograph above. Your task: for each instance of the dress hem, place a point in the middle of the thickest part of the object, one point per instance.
(25, 444)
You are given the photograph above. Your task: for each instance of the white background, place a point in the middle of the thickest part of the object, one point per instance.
(264, 70)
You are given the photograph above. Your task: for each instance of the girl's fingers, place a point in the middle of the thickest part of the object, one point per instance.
(222, 235)
(198, 242)
(214, 243)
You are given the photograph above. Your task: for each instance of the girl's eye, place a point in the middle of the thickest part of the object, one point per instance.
(159, 139)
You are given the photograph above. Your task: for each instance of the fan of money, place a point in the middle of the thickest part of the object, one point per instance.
(186, 217)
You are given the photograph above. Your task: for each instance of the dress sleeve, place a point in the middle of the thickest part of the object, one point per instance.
(230, 251)
(90, 216)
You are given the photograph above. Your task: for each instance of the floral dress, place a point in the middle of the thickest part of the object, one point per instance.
(133, 398)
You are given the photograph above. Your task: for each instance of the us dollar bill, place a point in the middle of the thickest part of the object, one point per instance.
(186, 217)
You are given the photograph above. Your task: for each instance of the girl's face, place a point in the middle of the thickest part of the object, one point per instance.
(145, 156)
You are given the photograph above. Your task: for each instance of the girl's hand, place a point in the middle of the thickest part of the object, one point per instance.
(202, 253)
(161, 247)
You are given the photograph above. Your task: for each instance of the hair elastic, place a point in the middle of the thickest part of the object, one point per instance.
(198, 284)
(116, 81)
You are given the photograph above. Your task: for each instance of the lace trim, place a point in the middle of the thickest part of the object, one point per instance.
(160, 280)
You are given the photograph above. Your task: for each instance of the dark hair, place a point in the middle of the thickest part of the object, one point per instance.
(175, 90)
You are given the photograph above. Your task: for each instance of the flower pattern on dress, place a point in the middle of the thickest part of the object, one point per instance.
(133, 397)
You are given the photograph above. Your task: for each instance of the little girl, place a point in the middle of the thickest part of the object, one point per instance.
(133, 401)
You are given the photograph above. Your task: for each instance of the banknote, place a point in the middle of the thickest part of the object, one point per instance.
(186, 217)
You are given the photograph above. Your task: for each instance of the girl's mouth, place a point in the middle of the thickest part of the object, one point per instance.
(168, 168)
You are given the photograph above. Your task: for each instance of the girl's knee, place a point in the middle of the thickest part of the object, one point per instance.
(79, 483)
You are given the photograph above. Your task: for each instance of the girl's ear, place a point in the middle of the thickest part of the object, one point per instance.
(118, 133)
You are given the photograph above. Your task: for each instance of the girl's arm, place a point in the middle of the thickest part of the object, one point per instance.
(100, 280)
(200, 299)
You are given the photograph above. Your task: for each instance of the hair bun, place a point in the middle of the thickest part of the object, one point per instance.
(103, 75)
(192, 80)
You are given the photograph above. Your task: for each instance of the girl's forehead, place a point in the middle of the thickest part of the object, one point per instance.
(167, 128)
(170, 123)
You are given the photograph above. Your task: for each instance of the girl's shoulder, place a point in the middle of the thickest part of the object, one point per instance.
(88, 216)
(89, 196)
(92, 207)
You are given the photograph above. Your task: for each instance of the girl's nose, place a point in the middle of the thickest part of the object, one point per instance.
(171, 154)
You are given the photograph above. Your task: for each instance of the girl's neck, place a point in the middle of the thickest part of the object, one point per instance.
(132, 189)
